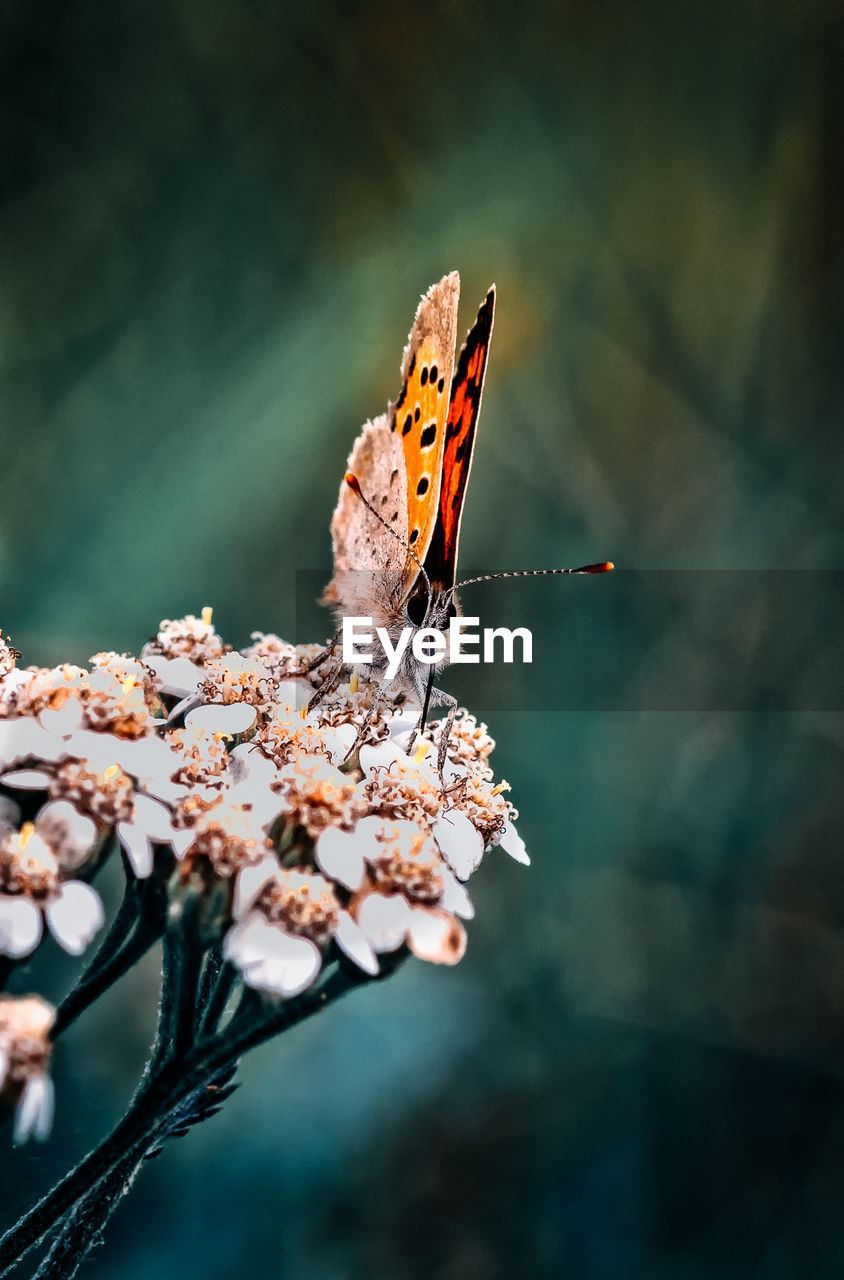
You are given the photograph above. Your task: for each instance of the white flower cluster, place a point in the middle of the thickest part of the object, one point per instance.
(25, 1025)
(320, 827)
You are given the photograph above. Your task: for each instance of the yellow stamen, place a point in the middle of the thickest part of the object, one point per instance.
(502, 786)
(26, 834)
(353, 683)
(111, 772)
(128, 683)
(303, 711)
(421, 751)
(207, 613)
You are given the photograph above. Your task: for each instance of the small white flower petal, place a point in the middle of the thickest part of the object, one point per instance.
(453, 769)
(231, 719)
(182, 841)
(11, 682)
(339, 741)
(248, 762)
(183, 706)
(153, 818)
(27, 779)
(402, 725)
(294, 694)
(384, 920)
(511, 842)
(24, 737)
(270, 959)
(176, 676)
(149, 759)
(244, 943)
(20, 925)
(62, 719)
(74, 915)
(436, 936)
(34, 1114)
(70, 834)
(265, 803)
(150, 821)
(455, 897)
(340, 856)
(351, 939)
(460, 843)
(380, 756)
(99, 749)
(250, 881)
(138, 849)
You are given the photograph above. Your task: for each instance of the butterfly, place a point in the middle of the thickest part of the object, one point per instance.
(396, 528)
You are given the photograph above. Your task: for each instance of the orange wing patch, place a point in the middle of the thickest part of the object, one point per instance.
(463, 410)
(419, 415)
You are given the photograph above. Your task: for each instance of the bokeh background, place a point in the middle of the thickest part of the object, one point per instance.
(216, 219)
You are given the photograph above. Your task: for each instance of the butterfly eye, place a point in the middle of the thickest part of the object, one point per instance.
(417, 609)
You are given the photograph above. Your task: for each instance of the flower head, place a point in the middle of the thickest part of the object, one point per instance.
(315, 828)
(8, 656)
(188, 637)
(316, 795)
(36, 884)
(235, 678)
(25, 1025)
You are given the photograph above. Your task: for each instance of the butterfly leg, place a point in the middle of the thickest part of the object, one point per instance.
(321, 657)
(328, 685)
(445, 700)
(424, 693)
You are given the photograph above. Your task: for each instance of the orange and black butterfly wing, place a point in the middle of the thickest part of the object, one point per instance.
(419, 415)
(463, 410)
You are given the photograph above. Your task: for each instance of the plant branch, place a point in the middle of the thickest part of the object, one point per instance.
(143, 909)
(177, 1085)
(219, 977)
(84, 1225)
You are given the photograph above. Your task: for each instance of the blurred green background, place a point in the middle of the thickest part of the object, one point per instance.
(216, 221)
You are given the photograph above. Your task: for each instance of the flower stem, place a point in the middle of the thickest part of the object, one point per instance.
(179, 1091)
(131, 1131)
(218, 977)
(179, 989)
(84, 1225)
(143, 909)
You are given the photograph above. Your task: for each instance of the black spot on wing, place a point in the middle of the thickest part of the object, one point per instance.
(423, 376)
(408, 423)
(428, 436)
(422, 486)
(413, 536)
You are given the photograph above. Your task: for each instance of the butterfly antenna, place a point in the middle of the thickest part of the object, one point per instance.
(605, 566)
(353, 483)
